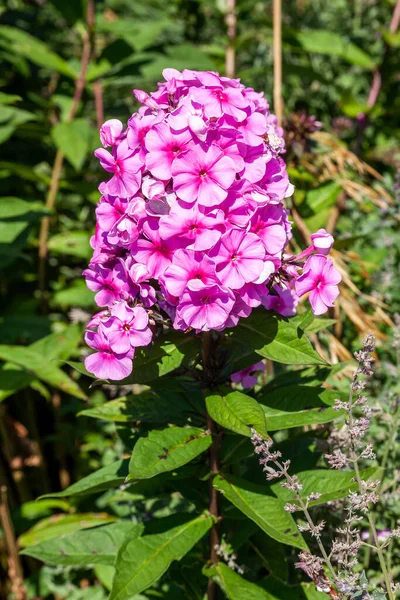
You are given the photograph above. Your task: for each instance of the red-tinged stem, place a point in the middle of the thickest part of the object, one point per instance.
(376, 84)
(207, 349)
(59, 160)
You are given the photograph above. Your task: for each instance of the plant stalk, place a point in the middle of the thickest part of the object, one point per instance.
(59, 160)
(230, 20)
(14, 561)
(277, 52)
(207, 349)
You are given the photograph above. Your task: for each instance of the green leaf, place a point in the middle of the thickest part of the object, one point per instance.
(276, 338)
(298, 405)
(327, 42)
(105, 478)
(19, 42)
(332, 485)
(137, 34)
(180, 56)
(166, 450)
(379, 595)
(319, 325)
(57, 525)
(392, 39)
(310, 323)
(237, 412)
(75, 295)
(73, 138)
(13, 379)
(9, 98)
(105, 574)
(141, 562)
(98, 545)
(233, 585)
(74, 243)
(166, 355)
(323, 197)
(160, 406)
(11, 118)
(35, 363)
(266, 511)
(59, 345)
(12, 208)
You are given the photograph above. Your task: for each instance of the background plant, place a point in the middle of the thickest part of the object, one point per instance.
(45, 446)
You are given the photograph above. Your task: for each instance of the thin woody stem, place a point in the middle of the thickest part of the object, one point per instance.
(207, 348)
(277, 52)
(59, 159)
(15, 566)
(230, 20)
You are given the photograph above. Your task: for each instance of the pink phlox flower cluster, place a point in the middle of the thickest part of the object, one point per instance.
(191, 222)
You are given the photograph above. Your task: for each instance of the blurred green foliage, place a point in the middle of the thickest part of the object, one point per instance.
(330, 53)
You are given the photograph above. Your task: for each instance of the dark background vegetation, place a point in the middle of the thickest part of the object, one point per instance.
(347, 179)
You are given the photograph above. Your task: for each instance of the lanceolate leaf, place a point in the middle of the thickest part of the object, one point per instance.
(103, 479)
(142, 561)
(266, 511)
(59, 345)
(333, 44)
(74, 243)
(167, 450)
(234, 586)
(98, 545)
(72, 137)
(166, 355)
(161, 406)
(237, 412)
(297, 405)
(58, 525)
(40, 366)
(20, 42)
(55, 345)
(276, 338)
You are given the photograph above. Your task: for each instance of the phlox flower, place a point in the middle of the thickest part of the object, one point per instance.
(196, 230)
(266, 223)
(203, 175)
(107, 284)
(127, 328)
(321, 279)
(125, 165)
(204, 307)
(105, 363)
(186, 266)
(163, 147)
(153, 251)
(239, 257)
(218, 101)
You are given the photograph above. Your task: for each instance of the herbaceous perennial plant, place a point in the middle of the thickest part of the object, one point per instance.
(191, 224)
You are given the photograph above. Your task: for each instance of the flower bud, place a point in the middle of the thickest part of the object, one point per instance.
(110, 132)
(322, 241)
